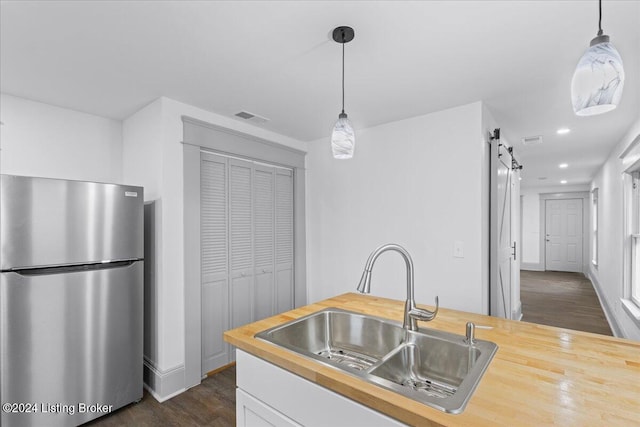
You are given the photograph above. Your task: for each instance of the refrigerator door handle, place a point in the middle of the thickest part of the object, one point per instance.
(39, 271)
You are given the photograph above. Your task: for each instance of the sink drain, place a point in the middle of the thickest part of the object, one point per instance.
(348, 358)
(430, 387)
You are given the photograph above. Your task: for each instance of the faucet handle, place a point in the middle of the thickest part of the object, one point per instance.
(423, 314)
(436, 310)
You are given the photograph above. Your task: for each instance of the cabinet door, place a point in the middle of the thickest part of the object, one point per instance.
(214, 260)
(284, 240)
(264, 242)
(250, 412)
(297, 400)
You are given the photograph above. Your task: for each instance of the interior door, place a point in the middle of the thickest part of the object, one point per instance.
(501, 255)
(563, 235)
(284, 240)
(214, 218)
(241, 242)
(264, 247)
(246, 228)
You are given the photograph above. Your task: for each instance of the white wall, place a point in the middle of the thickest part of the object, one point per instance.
(530, 230)
(44, 140)
(142, 165)
(416, 182)
(154, 158)
(608, 275)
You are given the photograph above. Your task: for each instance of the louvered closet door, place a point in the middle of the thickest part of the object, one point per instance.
(284, 240)
(214, 260)
(241, 241)
(264, 241)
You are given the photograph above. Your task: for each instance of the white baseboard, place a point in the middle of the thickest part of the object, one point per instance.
(163, 385)
(517, 313)
(531, 266)
(608, 312)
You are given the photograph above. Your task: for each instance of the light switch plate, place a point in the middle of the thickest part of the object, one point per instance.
(458, 249)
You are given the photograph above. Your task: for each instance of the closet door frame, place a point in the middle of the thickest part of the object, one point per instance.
(199, 135)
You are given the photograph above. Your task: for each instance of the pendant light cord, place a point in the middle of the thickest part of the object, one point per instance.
(343, 72)
(600, 17)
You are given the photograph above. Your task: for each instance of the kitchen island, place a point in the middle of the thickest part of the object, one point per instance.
(540, 375)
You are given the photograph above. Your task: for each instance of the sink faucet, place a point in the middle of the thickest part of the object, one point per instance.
(411, 313)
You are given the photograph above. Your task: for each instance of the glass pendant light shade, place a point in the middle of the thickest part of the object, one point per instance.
(343, 138)
(598, 80)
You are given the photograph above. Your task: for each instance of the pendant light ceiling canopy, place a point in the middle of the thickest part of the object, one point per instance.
(343, 138)
(597, 83)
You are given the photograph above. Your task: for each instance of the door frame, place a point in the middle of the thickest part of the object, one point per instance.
(586, 197)
(198, 135)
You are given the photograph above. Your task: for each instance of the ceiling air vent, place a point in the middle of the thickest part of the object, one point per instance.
(254, 118)
(530, 140)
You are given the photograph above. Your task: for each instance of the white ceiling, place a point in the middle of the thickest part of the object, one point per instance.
(277, 59)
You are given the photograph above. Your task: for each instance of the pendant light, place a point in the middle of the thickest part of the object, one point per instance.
(597, 83)
(343, 138)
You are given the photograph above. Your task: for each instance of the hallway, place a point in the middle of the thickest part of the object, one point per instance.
(565, 300)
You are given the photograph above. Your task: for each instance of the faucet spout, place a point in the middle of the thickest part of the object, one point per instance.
(364, 287)
(411, 313)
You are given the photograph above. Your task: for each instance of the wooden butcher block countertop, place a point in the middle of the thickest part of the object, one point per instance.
(540, 375)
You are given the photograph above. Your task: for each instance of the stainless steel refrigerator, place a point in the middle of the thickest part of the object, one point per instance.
(71, 300)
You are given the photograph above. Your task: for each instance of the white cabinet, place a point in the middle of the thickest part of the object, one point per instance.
(270, 395)
(250, 412)
(246, 215)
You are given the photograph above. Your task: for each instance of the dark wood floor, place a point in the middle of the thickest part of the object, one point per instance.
(565, 300)
(212, 403)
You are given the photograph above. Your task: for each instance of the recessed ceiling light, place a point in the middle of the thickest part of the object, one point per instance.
(520, 178)
(563, 165)
(563, 131)
(564, 181)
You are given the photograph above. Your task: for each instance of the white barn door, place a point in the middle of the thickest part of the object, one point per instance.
(503, 297)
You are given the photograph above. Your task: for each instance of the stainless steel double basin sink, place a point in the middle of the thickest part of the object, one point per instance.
(433, 367)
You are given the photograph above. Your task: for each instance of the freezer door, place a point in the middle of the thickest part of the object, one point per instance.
(70, 339)
(58, 222)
